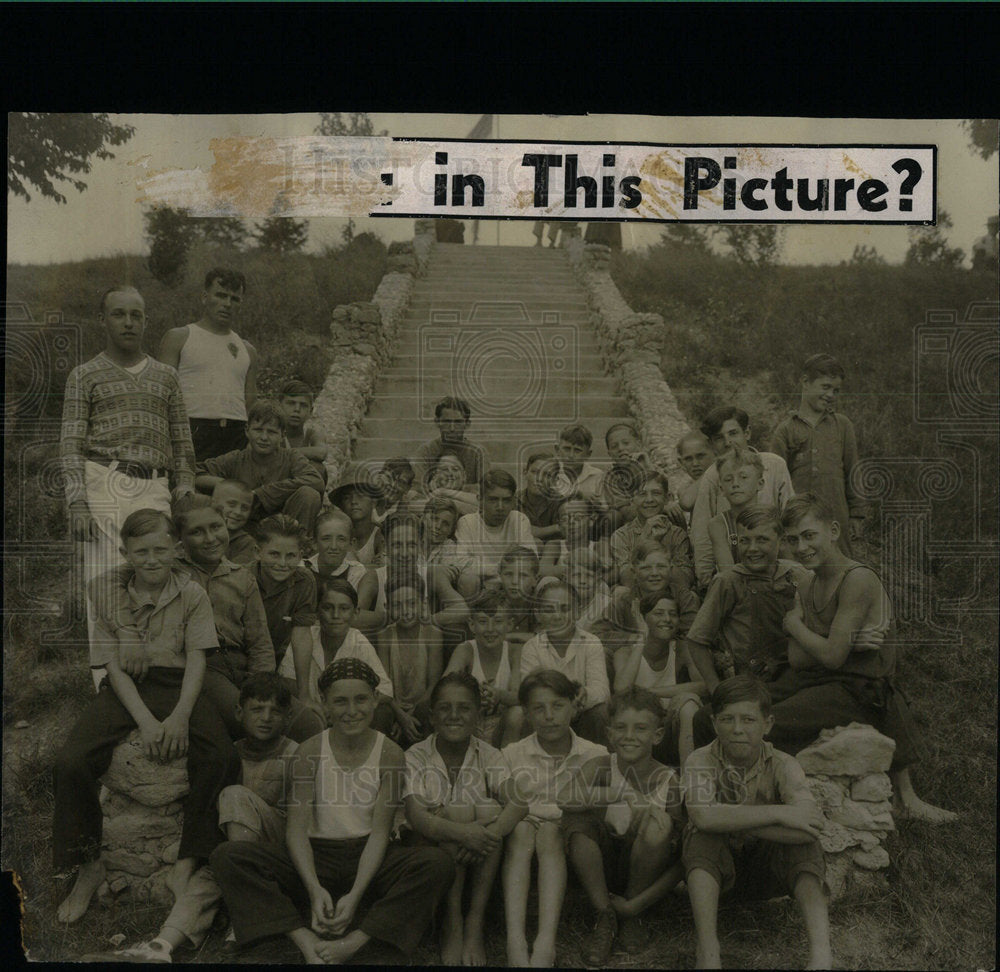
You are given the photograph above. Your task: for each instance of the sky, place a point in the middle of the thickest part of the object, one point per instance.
(106, 219)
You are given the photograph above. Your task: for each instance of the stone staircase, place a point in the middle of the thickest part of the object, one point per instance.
(507, 329)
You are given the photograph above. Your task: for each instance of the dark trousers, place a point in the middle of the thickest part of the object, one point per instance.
(265, 894)
(808, 700)
(212, 764)
(222, 689)
(211, 439)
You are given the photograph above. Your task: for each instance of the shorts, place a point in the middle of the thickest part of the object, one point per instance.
(616, 852)
(240, 805)
(764, 868)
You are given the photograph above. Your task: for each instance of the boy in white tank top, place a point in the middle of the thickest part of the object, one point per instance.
(347, 785)
(216, 367)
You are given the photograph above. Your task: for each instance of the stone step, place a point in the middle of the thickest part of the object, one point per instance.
(388, 403)
(412, 381)
(391, 426)
(410, 341)
(512, 362)
(509, 452)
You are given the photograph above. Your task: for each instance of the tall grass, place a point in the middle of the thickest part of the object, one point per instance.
(739, 336)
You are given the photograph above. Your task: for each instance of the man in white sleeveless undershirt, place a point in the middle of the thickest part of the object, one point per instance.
(216, 367)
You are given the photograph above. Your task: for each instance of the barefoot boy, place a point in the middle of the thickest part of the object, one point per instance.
(695, 456)
(459, 796)
(295, 401)
(752, 821)
(338, 853)
(622, 815)
(830, 682)
(251, 810)
(174, 619)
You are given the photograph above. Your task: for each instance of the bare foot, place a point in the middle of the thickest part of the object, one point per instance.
(88, 879)
(517, 954)
(543, 955)
(820, 963)
(341, 950)
(451, 944)
(473, 949)
(914, 808)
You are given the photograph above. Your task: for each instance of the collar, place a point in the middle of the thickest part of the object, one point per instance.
(268, 586)
(225, 566)
(536, 747)
(176, 582)
(797, 413)
(471, 753)
(782, 569)
(342, 568)
(755, 769)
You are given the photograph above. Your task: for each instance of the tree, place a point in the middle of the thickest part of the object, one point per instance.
(170, 233)
(928, 246)
(753, 245)
(693, 238)
(44, 148)
(355, 123)
(282, 234)
(222, 231)
(866, 256)
(984, 135)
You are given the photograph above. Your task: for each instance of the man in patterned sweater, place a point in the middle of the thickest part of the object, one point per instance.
(125, 440)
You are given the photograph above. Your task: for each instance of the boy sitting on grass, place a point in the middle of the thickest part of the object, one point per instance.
(338, 857)
(251, 810)
(753, 820)
(575, 474)
(459, 796)
(175, 622)
(741, 478)
(622, 818)
(234, 500)
(282, 480)
(295, 401)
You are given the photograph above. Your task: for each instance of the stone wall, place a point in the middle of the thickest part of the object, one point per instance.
(141, 802)
(847, 769)
(631, 347)
(362, 336)
(424, 238)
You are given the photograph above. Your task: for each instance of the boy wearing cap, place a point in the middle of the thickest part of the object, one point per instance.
(338, 853)
(355, 494)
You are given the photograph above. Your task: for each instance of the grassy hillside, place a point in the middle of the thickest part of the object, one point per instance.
(738, 335)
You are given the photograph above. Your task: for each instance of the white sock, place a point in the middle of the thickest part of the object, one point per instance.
(163, 943)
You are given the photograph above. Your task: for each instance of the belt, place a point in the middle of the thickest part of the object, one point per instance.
(221, 423)
(137, 470)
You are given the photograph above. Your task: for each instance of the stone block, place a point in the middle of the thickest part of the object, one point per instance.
(863, 816)
(871, 860)
(825, 792)
(169, 853)
(875, 787)
(142, 779)
(844, 878)
(366, 313)
(854, 750)
(835, 838)
(140, 864)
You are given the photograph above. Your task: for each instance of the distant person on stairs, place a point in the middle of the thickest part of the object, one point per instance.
(452, 416)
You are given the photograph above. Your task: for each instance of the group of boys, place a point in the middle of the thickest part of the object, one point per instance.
(184, 649)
